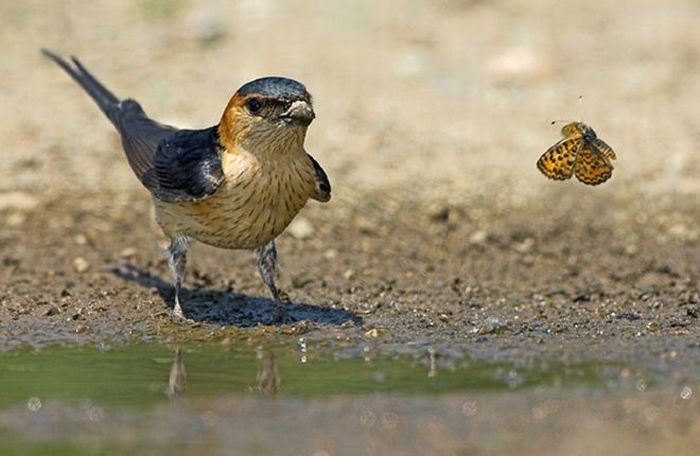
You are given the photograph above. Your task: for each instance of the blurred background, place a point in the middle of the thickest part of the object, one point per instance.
(451, 96)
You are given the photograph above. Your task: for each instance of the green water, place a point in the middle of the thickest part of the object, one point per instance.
(201, 399)
(140, 376)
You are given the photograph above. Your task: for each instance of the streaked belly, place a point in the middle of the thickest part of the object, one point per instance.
(245, 213)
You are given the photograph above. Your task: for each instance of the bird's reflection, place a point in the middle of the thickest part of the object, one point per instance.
(177, 383)
(268, 378)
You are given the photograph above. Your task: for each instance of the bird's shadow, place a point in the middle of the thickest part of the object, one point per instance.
(228, 308)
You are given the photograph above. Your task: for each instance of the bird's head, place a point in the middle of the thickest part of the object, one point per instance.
(268, 114)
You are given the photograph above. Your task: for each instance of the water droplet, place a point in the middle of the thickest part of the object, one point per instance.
(641, 386)
(368, 418)
(95, 413)
(686, 392)
(470, 408)
(34, 404)
(390, 420)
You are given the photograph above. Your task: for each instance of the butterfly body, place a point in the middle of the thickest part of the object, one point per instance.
(580, 153)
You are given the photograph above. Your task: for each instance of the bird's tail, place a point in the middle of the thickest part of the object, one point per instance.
(106, 100)
(140, 134)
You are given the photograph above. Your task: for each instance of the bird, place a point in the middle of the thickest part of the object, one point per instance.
(235, 185)
(580, 153)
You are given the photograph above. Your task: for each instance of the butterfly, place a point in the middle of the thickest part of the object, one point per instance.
(582, 153)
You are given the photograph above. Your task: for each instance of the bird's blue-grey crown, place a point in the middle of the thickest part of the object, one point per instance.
(279, 88)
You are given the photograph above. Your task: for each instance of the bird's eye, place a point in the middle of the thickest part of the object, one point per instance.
(254, 105)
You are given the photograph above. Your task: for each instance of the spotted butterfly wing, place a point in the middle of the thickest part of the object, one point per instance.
(604, 148)
(559, 160)
(593, 167)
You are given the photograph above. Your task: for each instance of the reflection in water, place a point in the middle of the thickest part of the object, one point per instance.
(268, 378)
(432, 370)
(177, 383)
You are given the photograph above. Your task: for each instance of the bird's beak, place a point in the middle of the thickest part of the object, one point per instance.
(299, 113)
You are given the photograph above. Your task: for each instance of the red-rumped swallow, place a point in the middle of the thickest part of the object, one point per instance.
(236, 185)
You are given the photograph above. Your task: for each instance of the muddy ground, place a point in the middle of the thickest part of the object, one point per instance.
(430, 118)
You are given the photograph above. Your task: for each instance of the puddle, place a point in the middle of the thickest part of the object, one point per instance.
(149, 399)
(143, 375)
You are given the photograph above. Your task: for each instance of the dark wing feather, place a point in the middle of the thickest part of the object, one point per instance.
(323, 185)
(140, 137)
(187, 166)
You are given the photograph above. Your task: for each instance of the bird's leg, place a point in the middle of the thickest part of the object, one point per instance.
(177, 258)
(267, 266)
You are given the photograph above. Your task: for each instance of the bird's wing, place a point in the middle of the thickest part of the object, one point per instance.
(140, 134)
(323, 185)
(187, 166)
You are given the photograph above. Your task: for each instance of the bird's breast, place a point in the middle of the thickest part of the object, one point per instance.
(254, 205)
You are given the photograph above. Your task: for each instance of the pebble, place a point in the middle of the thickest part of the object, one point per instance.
(478, 237)
(301, 228)
(80, 265)
(128, 252)
(653, 327)
(373, 333)
(439, 212)
(18, 201)
(16, 219)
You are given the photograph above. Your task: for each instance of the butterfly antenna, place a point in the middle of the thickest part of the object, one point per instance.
(556, 121)
(580, 108)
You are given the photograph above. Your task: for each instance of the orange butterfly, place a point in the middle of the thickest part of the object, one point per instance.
(581, 152)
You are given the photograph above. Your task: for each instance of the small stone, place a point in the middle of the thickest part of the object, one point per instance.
(653, 327)
(439, 212)
(373, 333)
(491, 325)
(525, 246)
(51, 311)
(16, 219)
(18, 200)
(330, 254)
(631, 250)
(478, 237)
(349, 274)
(301, 228)
(301, 281)
(80, 239)
(128, 252)
(80, 265)
(365, 225)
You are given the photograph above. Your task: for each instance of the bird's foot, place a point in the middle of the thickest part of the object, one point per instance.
(281, 315)
(178, 315)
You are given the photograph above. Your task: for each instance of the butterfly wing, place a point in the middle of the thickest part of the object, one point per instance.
(592, 167)
(604, 149)
(559, 160)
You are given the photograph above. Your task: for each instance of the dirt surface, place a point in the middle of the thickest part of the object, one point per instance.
(441, 232)
(442, 240)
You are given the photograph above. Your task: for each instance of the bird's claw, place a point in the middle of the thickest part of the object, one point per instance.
(281, 315)
(178, 315)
